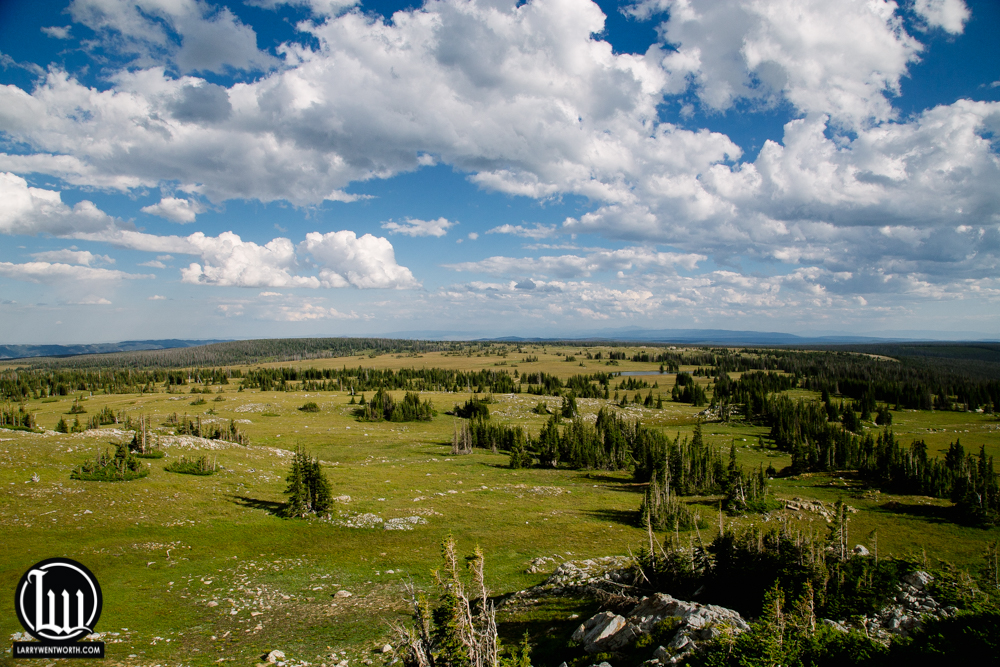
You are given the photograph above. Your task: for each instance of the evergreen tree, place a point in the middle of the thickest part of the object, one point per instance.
(308, 491)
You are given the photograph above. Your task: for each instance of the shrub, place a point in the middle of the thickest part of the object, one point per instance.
(310, 407)
(199, 466)
(461, 629)
(121, 467)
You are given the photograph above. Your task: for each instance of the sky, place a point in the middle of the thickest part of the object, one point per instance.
(280, 168)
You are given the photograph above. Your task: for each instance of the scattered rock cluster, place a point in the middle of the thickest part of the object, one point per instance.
(815, 506)
(694, 623)
(913, 605)
(576, 577)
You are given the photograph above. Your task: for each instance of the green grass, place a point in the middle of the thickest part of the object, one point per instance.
(219, 536)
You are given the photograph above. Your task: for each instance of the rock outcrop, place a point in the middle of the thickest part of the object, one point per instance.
(694, 623)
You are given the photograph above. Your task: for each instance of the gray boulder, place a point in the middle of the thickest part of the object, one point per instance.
(695, 623)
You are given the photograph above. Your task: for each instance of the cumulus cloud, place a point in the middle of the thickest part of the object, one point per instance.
(176, 210)
(572, 266)
(528, 102)
(365, 262)
(156, 297)
(72, 256)
(49, 273)
(57, 32)
(845, 58)
(194, 35)
(949, 15)
(91, 300)
(414, 227)
(318, 7)
(28, 210)
(539, 231)
(305, 312)
(228, 260)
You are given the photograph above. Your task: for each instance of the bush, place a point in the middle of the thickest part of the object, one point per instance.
(382, 407)
(199, 466)
(310, 407)
(461, 629)
(122, 467)
(473, 408)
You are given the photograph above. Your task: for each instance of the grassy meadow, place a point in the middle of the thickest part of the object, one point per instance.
(200, 570)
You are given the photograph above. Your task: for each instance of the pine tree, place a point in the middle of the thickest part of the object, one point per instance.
(320, 492)
(298, 494)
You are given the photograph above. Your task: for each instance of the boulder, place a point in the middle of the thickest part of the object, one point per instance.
(274, 656)
(599, 632)
(695, 622)
(860, 550)
(918, 579)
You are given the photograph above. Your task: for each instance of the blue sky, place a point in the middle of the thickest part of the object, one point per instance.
(180, 168)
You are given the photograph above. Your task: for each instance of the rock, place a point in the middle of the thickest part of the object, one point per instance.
(918, 579)
(860, 550)
(213, 603)
(343, 594)
(840, 627)
(695, 622)
(597, 630)
(387, 648)
(274, 656)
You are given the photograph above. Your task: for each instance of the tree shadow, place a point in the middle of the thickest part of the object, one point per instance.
(269, 506)
(624, 517)
(934, 513)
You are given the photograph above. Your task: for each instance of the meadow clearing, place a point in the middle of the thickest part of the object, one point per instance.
(200, 570)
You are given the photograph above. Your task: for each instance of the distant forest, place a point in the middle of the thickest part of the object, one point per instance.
(921, 376)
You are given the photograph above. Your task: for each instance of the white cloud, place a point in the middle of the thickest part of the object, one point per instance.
(156, 297)
(28, 210)
(949, 15)
(539, 231)
(267, 294)
(573, 266)
(57, 32)
(91, 300)
(153, 264)
(45, 272)
(365, 262)
(318, 7)
(194, 35)
(414, 227)
(528, 102)
(305, 312)
(230, 261)
(473, 236)
(841, 58)
(176, 210)
(66, 256)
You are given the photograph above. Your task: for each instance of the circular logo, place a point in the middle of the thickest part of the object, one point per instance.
(58, 600)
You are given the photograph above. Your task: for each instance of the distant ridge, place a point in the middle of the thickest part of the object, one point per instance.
(25, 351)
(708, 337)
(705, 337)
